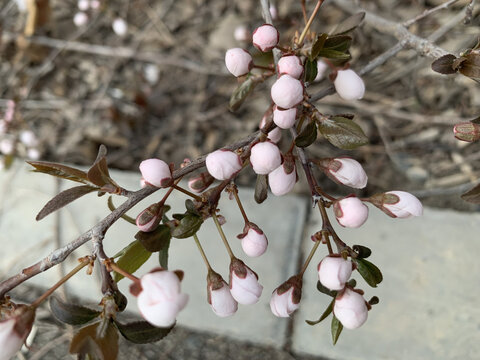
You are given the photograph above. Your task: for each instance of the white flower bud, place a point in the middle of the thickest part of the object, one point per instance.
(120, 27)
(244, 285)
(149, 218)
(156, 172)
(284, 119)
(265, 37)
(33, 154)
(7, 146)
(350, 309)
(201, 182)
(14, 330)
(348, 172)
(280, 181)
(265, 157)
(334, 272)
(286, 298)
(273, 12)
(350, 212)
(273, 135)
(219, 297)
(254, 241)
(80, 19)
(242, 33)
(28, 138)
(291, 65)
(349, 85)
(322, 68)
(238, 61)
(161, 299)
(94, 4)
(83, 5)
(223, 164)
(287, 92)
(406, 206)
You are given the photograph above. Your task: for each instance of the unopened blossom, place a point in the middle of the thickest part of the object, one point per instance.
(94, 4)
(322, 68)
(265, 157)
(149, 218)
(241, 33)
(238, 61)
(265, 37)
(349, 85)
(219, 297)
(273, 12)
(402, 204)
(200, 182)
(281, 181)
(33, 154)
(273, 135)
(80, 19)
(120, 27)
(223, 164)
(287, 92)
(467, 131)
(350, 212)
(7, 146)
(286, 298)
(14, 330)
(284, 119)
(254, 241)
(28, 138)
(161, 299)
(350, 309)
(334, 272)
(348, 172)
(244, 284)
(156, 172)
(83, 5)
(291, 65)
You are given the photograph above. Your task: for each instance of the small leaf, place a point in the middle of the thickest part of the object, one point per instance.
(307, 136)
(327, 312)
(372, 274)
(188, 226)
(343, 133)
(98, 172)
(61, 171)
(317, 46)
(133, 258)
(241, 92)
(325, 290)
(444, 64)
(471, 66)
(334, 54)
(310, 70)
(155, 240)
(64, 198)
(336, 329)
(338, 42)
(98, 341)
(349, 24)
(124, 216)
(71, 314)
(190, 206)
(472, 195)
(141, 332)
(261, 189)
(362, 251)
(163, 255)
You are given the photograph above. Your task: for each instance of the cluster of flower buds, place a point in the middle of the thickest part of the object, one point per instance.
(84, 6)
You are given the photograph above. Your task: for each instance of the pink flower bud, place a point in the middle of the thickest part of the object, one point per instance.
(265, 157)
(349, 85)
(242, 33)
(265, 37)
(350, 212)
(350, 309)
(281, 182)
(7, 146)
(33, 154)
(223, 164)
(334, 272)
(83, 5)
(284, 119)
(286, 298)
(273, 12)
(467, 131)
(273, 135)
(160, 299)
(322, 68)
(244, 284)
(200, 182)
(291, 65)
(10, 111)
(80, 19)
(14, 330)
(287, 92)
(238, 61)
(156, 172)
(120, 27)
(401, 204)
(254, 241)
(149, 218)
(28, 138)
(346, 171)
(219, 297)
(94, 4)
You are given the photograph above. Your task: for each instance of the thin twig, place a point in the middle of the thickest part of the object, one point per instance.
(428, 12)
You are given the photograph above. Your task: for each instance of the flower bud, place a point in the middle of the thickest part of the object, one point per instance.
(254, 241)
(7, 146)
(94, 4)
(345, 171)
(223, 164)
(244, 285)
(14, 331)
(467, 131)
(322, 68)
(28, 138)
(265, 157)
(238, 61)
(281, 181)
(242, 33)
(291, 65)
(286, 298)
(219, 297)
(149, 218)
(273, 135)
(200, 182)
(83, 5)
(399, 204)
(287, 92)
(350, 212)
(273, 12)
(284, 119)
(33, 154)
(156, 172)
(265, 37)
(349, 85)
(160, 299)
(334, 272)
(120, 27)
(80, 19)
(350, 309)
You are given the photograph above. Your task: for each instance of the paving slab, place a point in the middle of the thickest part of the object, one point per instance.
(429, 307)
(282, 219)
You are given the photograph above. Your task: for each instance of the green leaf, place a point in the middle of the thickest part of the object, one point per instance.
(327, 312)
(261, 189)
(362, 251)
(317, 46)
(349, 24)
(334, 54)
(190, 206)
(61, 171)
(71, 314)
(163, 256)
(310, 70)
(372, 274)
(472, 195)
(155, 240)
(134, 256)
(307, 136)
(98, 341)
(343, 133)
(141, 332)
(242, 91)
(471, 66)
(325, 290)
(188, 226)
(336, 329)
(64, 198)
(444, 64)
(338, 42)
